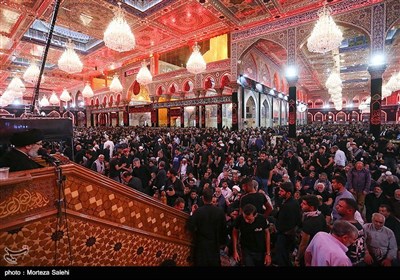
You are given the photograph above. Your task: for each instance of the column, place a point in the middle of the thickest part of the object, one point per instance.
(292, 106)
(203, 116)
(182, 116)
(197, 112)
(92, 120)
(376, 73)
(235, 111)
(168, 117)
(154, 117)
(126, 116)
(219, 116)
(291, 77)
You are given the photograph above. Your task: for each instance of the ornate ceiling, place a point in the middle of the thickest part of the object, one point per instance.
(164, 25)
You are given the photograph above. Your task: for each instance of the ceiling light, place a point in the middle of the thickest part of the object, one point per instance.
(87, 92)
(116, 85)
(196, 63)
(118, 35)
(65, 96)
(326, 35)
(144, 76)
(69, 61)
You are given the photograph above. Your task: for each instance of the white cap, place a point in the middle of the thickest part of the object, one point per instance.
(236, 187)
(141, 148)
(159, 139)
(382, 166)
(388, 173)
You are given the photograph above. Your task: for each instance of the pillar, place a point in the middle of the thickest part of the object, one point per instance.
(376, 73)
(235, 111)
(197, 112)
(182, 116)
(154, 117)
(203, 116)
(292, 106)
(168, 117)
(219, 116)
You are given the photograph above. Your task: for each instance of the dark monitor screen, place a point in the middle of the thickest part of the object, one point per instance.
(54, 129)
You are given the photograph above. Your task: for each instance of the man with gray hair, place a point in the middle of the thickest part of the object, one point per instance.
(381, 242)
(329, 249)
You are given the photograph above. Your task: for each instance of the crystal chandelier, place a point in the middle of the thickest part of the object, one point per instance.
(65, 96)
(326, 35)
(5, 42)
(196, 63)
(118, 35)
(69, 61)
(144, 76)
(54, 99)
(116, 85)
(87, 92)
(16, 87)
(31, 74)
(44, 102)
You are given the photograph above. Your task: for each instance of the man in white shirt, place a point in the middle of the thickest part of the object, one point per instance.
(340, 157)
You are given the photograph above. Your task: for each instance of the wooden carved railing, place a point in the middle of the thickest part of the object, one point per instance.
(100, 222)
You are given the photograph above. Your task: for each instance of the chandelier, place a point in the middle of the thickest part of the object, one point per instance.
(31, 74)
(144, 76)
(116, 85)
(16, 87)
(54, 99)
(87, 92)
(326, 35)
(44, 102)
(69, 61)
(65, 96)
(196, 63)
(118, 35)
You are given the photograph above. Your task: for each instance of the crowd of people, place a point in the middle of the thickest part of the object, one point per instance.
(331, 197)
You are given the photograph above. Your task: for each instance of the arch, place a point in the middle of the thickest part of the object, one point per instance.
(91, 102)
(118, 100)
(79, 100)
(54, 114)
(225, 80)
(341, 117)
(68, 114)
(161, 90)
(309, 117)
(104, 103)
(4, 112)
(354, 116)
(97, 102)
(319, 103)
(252, 44)
(330, 117)
(265, 111)
(111, 100)
(318, 117)
(251, 111)
(310, 104)
(188, 86)
(173, 89)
